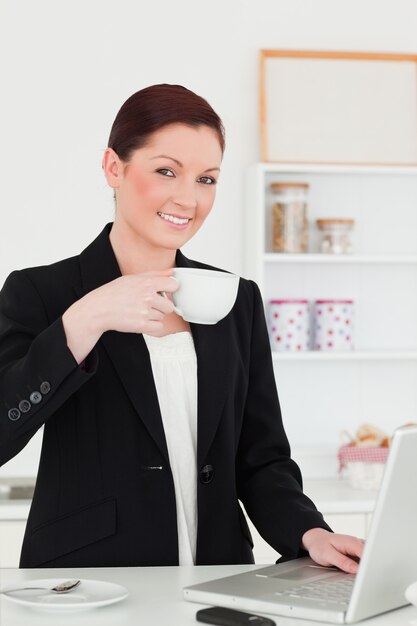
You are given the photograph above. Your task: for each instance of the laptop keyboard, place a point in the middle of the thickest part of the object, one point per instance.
(332, 592)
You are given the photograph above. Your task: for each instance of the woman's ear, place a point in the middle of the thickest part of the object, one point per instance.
(112, 168)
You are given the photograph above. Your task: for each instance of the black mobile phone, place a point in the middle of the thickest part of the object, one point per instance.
(230, 617)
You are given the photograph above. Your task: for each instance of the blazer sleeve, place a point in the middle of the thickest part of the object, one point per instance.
(38, 372)
(269, 482)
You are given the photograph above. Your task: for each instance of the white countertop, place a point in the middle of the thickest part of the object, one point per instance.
(332, 495)
(155, 597)
(14, 510)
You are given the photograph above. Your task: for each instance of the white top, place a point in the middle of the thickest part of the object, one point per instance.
(174, 367)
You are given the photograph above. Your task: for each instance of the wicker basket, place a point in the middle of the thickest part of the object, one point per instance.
(365, 466)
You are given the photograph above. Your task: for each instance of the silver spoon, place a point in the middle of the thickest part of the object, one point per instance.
(65, 587)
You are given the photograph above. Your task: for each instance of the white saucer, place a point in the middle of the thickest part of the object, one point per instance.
(411, 593)
(88, 595)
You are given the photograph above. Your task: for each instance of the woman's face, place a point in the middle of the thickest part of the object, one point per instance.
(166, 190)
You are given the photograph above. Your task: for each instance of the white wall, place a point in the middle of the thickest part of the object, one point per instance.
(66, 69)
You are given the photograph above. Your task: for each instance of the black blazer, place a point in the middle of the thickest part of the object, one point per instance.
(104, 493)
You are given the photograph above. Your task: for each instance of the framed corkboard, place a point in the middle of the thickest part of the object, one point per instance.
(338, 107)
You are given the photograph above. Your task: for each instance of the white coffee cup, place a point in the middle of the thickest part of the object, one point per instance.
(204, 296)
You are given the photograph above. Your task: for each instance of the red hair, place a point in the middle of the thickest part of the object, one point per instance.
(154, 107)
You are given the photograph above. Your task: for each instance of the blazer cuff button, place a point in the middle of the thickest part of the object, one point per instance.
(24, 406)
(14, 414)
(45, 387)
(35, 397)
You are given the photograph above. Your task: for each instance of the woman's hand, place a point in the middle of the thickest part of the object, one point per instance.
(133, 303)
(129, 304)
(326, 548)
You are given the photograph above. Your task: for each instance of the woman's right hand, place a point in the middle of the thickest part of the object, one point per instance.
(131, 304)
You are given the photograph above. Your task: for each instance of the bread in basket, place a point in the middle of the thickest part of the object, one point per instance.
(364, 457)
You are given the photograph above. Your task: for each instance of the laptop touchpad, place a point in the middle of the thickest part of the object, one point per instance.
(307, 572)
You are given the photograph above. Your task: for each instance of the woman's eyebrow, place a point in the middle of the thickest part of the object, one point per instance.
(165, 156)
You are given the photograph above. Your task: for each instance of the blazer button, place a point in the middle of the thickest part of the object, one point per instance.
(45, 387)
(35, 397)
(24, 406)
(206, 474)
(14, 414)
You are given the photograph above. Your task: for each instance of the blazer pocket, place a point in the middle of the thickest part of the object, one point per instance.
(72, 531)
(244, 526)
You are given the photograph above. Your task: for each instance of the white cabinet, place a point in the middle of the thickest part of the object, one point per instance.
(13, 516)
(262, 551)
(11, 538)
(322, 394)
(348, 523)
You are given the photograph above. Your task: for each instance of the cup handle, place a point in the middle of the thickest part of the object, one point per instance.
(176, 309)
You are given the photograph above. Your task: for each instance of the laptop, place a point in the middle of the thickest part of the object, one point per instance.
(301, 588)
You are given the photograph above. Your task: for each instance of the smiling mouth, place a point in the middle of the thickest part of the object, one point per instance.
(174, 219)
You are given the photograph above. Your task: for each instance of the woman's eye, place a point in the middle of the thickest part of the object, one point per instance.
(207, 180)
(166, 172)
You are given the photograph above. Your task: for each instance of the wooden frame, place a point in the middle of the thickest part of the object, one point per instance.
(338, 107)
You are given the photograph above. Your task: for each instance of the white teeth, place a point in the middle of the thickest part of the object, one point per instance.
(174, 220)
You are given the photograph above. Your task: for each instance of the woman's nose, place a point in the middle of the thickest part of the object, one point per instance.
(185, 196)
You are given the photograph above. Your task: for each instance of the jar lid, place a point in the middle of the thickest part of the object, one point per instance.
(284, 185)
(288, 301)
(334, 221)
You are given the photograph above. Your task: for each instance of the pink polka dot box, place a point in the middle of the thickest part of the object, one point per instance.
(289, 325)
(333, 325)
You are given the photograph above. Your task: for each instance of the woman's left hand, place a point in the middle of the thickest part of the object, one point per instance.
(326, 548)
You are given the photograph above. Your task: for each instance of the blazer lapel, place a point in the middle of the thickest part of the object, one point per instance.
(127, 351)
(130, 357)
(213, 370)
(212, 346)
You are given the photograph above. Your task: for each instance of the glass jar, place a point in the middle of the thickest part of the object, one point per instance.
(289, 217)
(336, 235)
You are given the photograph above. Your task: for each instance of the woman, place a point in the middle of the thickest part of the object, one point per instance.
(90, 348)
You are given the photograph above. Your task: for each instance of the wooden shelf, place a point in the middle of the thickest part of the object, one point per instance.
(358, 259)
(306, 168)
(312, 355)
